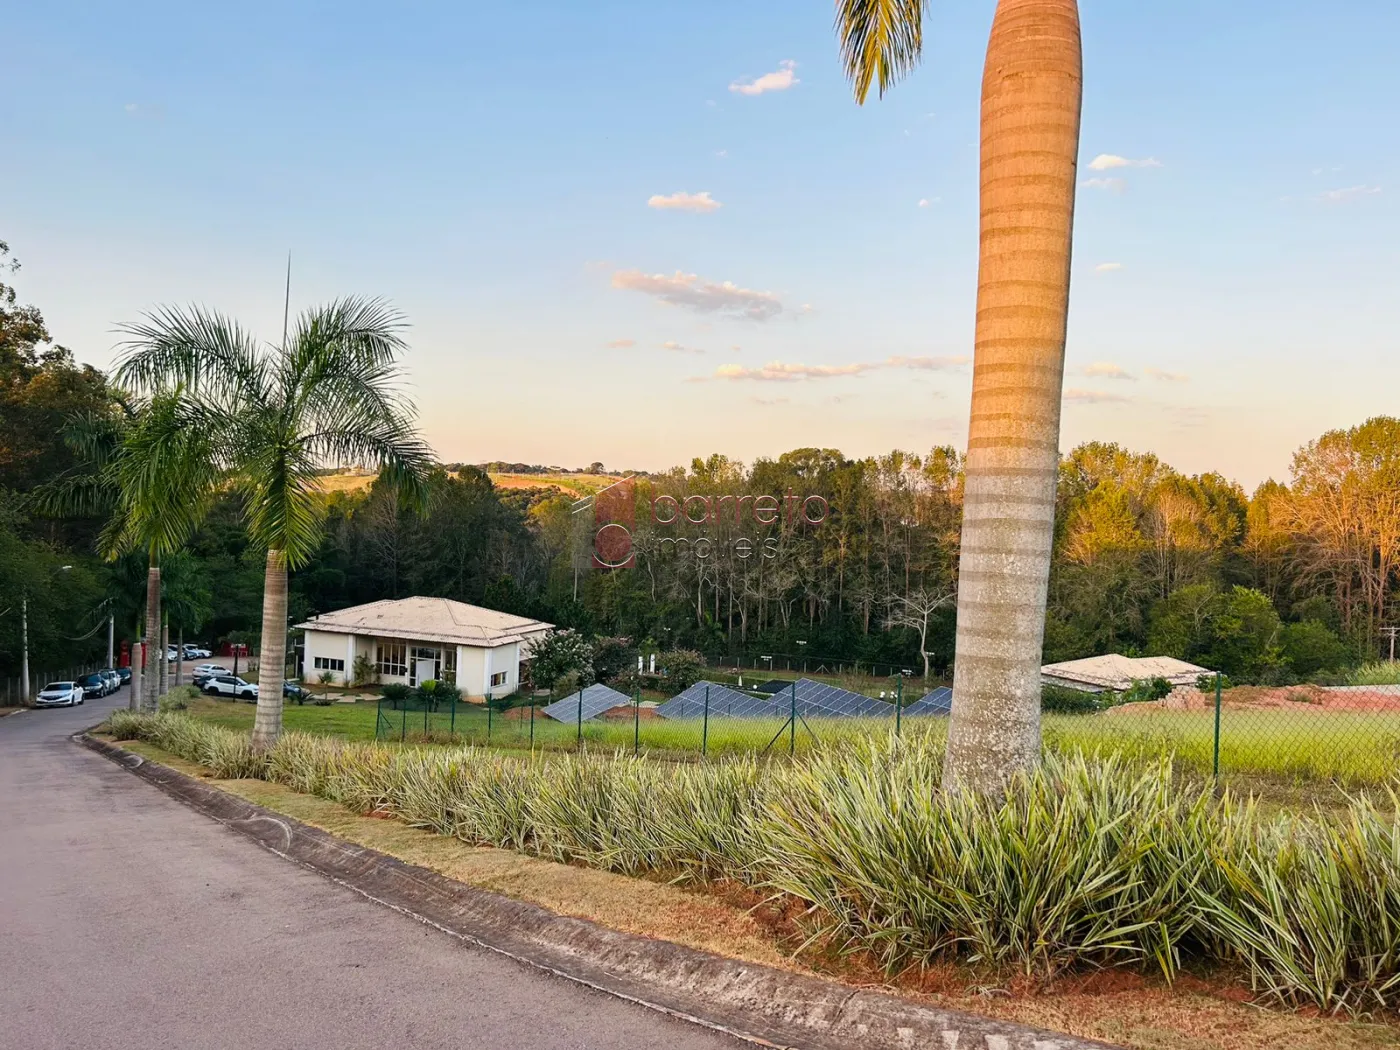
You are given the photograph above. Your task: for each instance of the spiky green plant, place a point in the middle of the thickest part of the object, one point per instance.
(1083, 862)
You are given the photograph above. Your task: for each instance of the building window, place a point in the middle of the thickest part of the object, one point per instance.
(325, 663)
(391, 659)
(499, 678)
(449, 665)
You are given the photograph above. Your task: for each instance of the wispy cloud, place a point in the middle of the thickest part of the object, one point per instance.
(1108, 267)
(1347, 194)
(671, 344)
(1115, 185)
(927, 364)
(1107, 370)
(1166, 377)
(683, 201)
(1109, 161)
(1094, 397)
(710, 297)
(621, 344)
(780, 79)
(769, 401)
(925, 202)
(782, 372)
(721, 153)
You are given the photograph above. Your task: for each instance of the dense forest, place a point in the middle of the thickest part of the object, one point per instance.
(1292, 582)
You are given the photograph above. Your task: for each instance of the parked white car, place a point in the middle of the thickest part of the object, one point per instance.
(59, 694)
(205, 670)
(194, 652)
(231, 685)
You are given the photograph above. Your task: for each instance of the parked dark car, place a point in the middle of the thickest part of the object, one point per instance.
(94, 686)
(124, 673)
(292, 691)
(114, 680)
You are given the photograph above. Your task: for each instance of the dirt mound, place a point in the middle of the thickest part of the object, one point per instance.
(1301, 698)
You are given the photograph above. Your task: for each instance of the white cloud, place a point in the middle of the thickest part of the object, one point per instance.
(671, 344)
(621, 344)
(1349, 193)
(779, 80)
(781, 372)
(1093, 397)
(927, 364)
(1109, 161)
(924, 202)
(1114, 184)
(721, 153)
(131, 107)
(1166, 377)
(1108, 267)
(1107, 370)
(683, 201)
(709, 297)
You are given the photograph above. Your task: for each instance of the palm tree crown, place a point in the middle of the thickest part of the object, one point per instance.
(881, 40)
(326, 396)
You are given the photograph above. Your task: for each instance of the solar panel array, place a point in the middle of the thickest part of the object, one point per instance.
(938, 702)
(723, 702)
(596, 699)
(818, 700)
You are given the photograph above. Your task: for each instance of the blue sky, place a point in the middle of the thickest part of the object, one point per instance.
(489, 169)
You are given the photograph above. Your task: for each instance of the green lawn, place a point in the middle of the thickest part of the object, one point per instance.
(1346, 749)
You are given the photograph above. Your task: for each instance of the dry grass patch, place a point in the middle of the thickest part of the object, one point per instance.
(1124, 1008)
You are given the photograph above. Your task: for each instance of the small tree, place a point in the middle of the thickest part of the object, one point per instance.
(680, 669)
(327, 679)
(364, 670)
(915, 610)
(559, 654)
(613, 658)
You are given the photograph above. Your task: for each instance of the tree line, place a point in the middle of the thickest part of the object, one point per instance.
(1291, 582)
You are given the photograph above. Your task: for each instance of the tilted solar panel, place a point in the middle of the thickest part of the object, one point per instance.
(597, 698)
(723, 702)
(937, 702)
(819, 700)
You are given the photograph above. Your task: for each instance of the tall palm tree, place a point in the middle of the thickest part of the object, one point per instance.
(1031, 91)
(150, 469)
(326, 395)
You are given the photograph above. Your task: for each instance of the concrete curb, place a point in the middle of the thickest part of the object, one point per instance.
(758, 1004)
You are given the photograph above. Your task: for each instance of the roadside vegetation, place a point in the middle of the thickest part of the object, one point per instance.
(1086, 863)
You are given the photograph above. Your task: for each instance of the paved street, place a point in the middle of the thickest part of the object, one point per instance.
(127, 920)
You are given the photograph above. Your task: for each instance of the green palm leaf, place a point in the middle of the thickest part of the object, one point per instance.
(881, 41)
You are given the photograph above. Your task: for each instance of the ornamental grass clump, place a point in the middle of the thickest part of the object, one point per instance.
(1085, 862)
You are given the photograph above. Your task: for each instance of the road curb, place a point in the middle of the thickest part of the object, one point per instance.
(758, 1004)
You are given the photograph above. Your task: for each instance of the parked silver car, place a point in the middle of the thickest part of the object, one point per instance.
(59, 694)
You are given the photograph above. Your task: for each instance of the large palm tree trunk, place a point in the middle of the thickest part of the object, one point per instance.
(272, 652)
(1031, 92)
(150, 683)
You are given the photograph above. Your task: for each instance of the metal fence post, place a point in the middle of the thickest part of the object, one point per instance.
(579, 743)
(452, 725)
(792, 724)
(636, 721)
(1216, 762)
(403, 723)
(532, 723)
(488, 719)
(898, 704)
(705, 727)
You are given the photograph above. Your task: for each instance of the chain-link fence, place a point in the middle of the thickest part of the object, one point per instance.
(1344, 736)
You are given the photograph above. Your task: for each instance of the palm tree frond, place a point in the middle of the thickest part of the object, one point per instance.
(881, 41)
(196, 348)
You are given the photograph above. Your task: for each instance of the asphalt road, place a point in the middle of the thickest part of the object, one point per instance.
(130, 921)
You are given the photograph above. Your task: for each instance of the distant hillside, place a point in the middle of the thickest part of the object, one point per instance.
(577, 485)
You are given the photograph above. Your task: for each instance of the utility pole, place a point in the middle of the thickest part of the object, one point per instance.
(24, 660)
(111, 635)
(1390, 633)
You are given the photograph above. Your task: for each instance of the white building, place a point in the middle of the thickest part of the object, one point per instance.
(414, 640)
(1100, 674)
